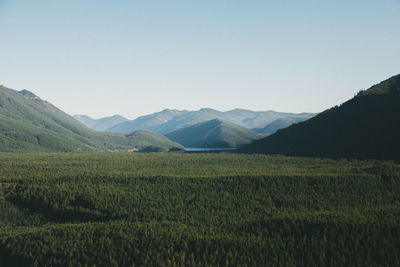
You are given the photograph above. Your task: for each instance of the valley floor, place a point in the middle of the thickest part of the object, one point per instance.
(124, 209)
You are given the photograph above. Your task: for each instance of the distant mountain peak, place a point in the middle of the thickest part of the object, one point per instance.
(168, 110)
(207, 109)
(241, 109)
(117, 116)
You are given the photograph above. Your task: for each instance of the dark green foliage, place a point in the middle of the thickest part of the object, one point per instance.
(28, 123)
(214, 133)
(120, 209)
(367, 126)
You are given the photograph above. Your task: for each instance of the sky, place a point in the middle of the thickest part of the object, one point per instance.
(132, 58)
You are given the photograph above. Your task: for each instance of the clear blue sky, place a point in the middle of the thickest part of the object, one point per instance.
(135, 57)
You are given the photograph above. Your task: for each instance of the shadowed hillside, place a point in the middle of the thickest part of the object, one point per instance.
(367, 126)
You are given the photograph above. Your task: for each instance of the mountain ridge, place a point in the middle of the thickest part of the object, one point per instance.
(101, 124)
(214, 133)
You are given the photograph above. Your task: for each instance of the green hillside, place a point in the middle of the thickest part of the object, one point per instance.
(28, 123)
(152, 142)
(213, 134)
(367, 126)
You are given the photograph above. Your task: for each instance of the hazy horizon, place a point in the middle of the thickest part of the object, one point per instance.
(131, 58)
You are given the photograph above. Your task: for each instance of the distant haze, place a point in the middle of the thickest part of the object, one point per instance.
(132, 58)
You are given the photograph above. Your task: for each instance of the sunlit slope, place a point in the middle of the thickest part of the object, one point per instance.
(149, 141)
(28, 123)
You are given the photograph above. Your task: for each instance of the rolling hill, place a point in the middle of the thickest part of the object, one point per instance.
(100, 124)
(213, 134)
(367, 126)
(170, 120)
(28, 123)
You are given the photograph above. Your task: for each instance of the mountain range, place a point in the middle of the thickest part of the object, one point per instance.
(28, 123)
(170, 120)
(366, 126)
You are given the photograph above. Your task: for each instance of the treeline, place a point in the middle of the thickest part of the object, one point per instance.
(211, 209)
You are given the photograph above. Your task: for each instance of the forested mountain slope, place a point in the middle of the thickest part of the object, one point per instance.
(28, 123)
(367, 126)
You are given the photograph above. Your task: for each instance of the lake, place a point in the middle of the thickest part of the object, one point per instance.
(207, 149)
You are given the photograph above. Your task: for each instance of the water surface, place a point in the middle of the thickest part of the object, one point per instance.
(205, 149)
